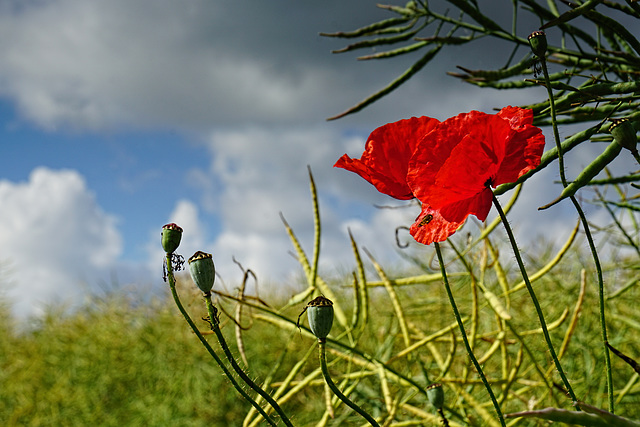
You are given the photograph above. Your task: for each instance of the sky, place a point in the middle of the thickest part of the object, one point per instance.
(119, 116)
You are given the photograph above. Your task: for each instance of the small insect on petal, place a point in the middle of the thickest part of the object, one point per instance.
(426, 220)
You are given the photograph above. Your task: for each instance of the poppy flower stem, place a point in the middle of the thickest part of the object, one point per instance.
(532, 293)
(592, 246)
(322, 343)
(456, 313)
(215, 327)
(205, 343)
(554, 123)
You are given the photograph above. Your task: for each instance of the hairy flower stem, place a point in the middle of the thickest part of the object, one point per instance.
(554, 123)
(194, 328)
(532, 293)
(456, 313)
(445, 421)
(587, 231)
(215, 327)
(322, 342)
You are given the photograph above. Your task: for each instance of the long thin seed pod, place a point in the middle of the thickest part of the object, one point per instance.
(393, 85)
(215, 326)
(456, 313)
(369, 29)
(588, 173)
(194, 328)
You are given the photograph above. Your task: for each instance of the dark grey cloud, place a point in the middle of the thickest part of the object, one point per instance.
(197, 65)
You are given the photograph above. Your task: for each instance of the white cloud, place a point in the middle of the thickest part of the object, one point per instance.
(263, 172)
(55, 239)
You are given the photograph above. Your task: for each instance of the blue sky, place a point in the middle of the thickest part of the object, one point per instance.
(118, 116)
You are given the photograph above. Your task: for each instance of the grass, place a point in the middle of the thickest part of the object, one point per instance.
(114, 362)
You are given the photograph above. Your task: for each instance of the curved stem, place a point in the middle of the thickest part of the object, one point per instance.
(525, 277)
(444, 420)
(456, 313)
(215, 327)
(554, 123)
(601, 302)
(325, 371)
(172, 286)
(592, 246)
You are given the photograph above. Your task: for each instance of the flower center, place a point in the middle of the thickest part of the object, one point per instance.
(488, 183)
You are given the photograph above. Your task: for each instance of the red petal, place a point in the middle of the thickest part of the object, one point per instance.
(453, 164)
(478, 205)
(456, 160)
(385, 160)
(523, 149)
(431, 227)
(516, 116)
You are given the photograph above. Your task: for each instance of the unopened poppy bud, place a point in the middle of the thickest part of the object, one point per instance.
(320, 315)
(435, 394)
(538, 43)
(171, 236)
(624, 133)
(202, 270)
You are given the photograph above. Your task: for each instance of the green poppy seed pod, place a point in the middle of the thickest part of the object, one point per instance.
(202, 270)
(538, 43)
(171, 236)
(320, 315)
(435, 394)
(624, 133)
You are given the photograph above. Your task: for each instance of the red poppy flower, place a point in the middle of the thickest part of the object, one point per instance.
(387, 153)
(449, 166)
(454, 166)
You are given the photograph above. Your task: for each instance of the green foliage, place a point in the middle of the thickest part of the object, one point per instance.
(599, 70)
(113, 363)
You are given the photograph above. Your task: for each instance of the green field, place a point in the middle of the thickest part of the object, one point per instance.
(118, 362)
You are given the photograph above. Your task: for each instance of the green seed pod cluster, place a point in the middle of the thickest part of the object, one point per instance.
(171, 236)
(588, 173)
(202, 270)
(435, 394)
(538, 43)
(624, 134)
(320, 315)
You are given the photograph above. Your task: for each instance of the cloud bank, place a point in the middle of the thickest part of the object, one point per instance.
(56, 241)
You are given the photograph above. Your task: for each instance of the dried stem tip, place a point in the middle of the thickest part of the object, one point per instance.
(171, 236)
(203, 271)
(538, 43)
(624, 133)
(435, 394)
